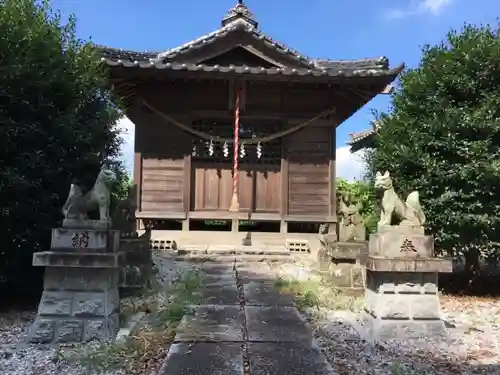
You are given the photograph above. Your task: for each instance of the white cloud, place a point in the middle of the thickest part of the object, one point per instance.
(398, 13)
(348, 165)
(127, 128)
(433, 7)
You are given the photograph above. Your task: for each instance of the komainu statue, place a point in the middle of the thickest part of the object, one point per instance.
(352, 226)
(408, 213)
(78, 205)
(124, 218)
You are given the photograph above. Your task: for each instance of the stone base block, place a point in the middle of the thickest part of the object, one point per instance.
(400, 305)
(86, 224)
(136, 269)
(47, 330)
(393, 329)
(393, 243)
(344, 273)
(323, 261)
(350, 250)
(135, 277)
(77, 304)
(347, 275)
(84, 279)
(92, 240)
(409, 265)
(77, 260)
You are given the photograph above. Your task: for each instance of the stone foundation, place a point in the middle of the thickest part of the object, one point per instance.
(401, 297)
(80, 300)
(136, 268)
(346, 274)
(80, 239)
(344, 263)
(77, 305)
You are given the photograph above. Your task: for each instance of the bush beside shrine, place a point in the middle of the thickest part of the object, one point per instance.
(57, 122)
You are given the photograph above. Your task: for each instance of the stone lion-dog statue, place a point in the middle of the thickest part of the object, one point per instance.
(78, 205)
(408, 213)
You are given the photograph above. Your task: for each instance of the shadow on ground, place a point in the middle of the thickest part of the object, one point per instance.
(459, 283)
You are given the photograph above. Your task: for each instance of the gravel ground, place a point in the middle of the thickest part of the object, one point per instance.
(472, 347)
(20, 358)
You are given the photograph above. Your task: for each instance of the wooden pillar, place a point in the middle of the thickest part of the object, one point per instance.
(137, 177)
(332, 211)
(284, 185)
(235, 225)
(186, 197)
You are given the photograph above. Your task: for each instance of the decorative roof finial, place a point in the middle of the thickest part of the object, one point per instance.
(240, 12)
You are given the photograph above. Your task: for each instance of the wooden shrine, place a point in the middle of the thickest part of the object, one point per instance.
(236, 126)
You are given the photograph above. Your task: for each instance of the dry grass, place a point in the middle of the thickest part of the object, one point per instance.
(319, 294)
(143, 351)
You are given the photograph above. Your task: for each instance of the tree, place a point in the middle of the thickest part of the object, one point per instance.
(442, 138)
(57, 125)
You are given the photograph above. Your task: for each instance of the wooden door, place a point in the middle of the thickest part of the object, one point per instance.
(259, 172)
(267, 189)
(259, 188)
(212, 187)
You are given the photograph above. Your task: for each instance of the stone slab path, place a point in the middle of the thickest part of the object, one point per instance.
(243, 326)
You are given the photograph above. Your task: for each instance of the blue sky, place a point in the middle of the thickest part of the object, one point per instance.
(341, 29)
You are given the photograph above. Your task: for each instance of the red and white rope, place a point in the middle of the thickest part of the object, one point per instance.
(236, 142)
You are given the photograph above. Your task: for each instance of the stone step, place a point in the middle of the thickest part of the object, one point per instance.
(299, 242)
(234, 257)
(230, 250)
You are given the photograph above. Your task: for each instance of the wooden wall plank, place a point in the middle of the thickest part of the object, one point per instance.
(308, 172)
(163, 149)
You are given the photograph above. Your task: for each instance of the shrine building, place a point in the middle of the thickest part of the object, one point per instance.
(238, 129)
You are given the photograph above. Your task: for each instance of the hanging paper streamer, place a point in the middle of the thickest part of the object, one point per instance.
(243, 152)
(225, 150)
(259, 150)
(211, 148)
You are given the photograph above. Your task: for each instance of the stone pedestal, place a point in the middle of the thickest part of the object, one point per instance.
(80, 301)
(401, 297)
(347, 264)
(136, 270)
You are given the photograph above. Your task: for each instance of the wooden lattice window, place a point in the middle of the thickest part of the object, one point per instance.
(249, 129)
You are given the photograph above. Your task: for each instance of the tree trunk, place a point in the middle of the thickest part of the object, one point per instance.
(472, 266)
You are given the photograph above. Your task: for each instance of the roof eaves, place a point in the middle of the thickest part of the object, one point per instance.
(359, 136)
(243, 69)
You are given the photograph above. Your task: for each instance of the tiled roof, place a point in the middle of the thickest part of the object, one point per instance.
(359, 136)
(239, 18)
(238, 69)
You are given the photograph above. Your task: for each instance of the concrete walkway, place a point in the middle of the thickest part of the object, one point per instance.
(245, 326)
